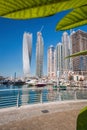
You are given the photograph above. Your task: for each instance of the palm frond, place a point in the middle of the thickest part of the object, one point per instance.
(24, 9)
(77, 17)
(81, 53)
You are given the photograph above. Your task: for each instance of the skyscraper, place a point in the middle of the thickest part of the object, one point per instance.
(59, 58)
(70, 48)
(79, 43)
(66, 51)
(39, 55)
(51, 61)
(27, 49)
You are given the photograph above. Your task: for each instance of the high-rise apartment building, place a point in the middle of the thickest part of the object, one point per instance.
(79, 43)
(27, 49)
(59, 59)
(51, 63)
(70, 48)
(39, 55)
(66, 51)
(55, 69)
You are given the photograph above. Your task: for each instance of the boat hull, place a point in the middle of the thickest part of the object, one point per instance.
(40, 85)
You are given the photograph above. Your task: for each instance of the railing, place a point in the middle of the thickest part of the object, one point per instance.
(20, 97)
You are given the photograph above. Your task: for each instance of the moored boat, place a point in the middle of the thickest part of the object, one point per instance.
(40, 84)
(62, 87)
(31, 82)
(19, 82)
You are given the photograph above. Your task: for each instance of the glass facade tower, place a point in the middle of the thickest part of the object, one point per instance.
(59, 58)
(39, 55)
(51, 61)
(66, 51)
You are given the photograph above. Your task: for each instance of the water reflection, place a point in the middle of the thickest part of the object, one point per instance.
(26, 95)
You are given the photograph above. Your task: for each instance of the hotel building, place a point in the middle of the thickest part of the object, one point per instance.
(39, 55)
(27, 49)
(59, 59)
(79, 43)
(51, 63)
(71, 60)
(66, 51)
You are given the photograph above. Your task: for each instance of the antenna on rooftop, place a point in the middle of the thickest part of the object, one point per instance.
(41, 28)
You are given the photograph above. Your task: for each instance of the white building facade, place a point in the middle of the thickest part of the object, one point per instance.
(66, 51)
(27, 50)
(39, 55)
(71, 60)
(59, 59)
(51, 61)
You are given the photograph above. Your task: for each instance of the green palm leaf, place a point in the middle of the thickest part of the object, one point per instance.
(24, 9)
(74, 19)
(82, 119)
(81, 53)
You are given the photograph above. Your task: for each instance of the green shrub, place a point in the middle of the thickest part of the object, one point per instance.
(82, 120)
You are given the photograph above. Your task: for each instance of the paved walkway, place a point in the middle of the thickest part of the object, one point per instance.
(48, 116)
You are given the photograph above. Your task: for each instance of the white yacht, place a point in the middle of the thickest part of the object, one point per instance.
(31, 82)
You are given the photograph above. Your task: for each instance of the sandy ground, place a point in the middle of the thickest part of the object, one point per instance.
(57, 116)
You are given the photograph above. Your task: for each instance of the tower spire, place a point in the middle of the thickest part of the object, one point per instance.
(41, 28)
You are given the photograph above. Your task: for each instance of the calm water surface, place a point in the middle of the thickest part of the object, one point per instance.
(23, 95)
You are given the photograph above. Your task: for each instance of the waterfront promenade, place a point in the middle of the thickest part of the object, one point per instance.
(60, 115)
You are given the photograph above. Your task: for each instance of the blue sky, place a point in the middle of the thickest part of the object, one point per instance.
(11, 41)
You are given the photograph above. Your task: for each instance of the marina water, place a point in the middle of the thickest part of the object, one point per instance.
(11, 96)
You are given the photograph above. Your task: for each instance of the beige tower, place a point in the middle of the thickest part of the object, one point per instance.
(51, 61)
(79, 43)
